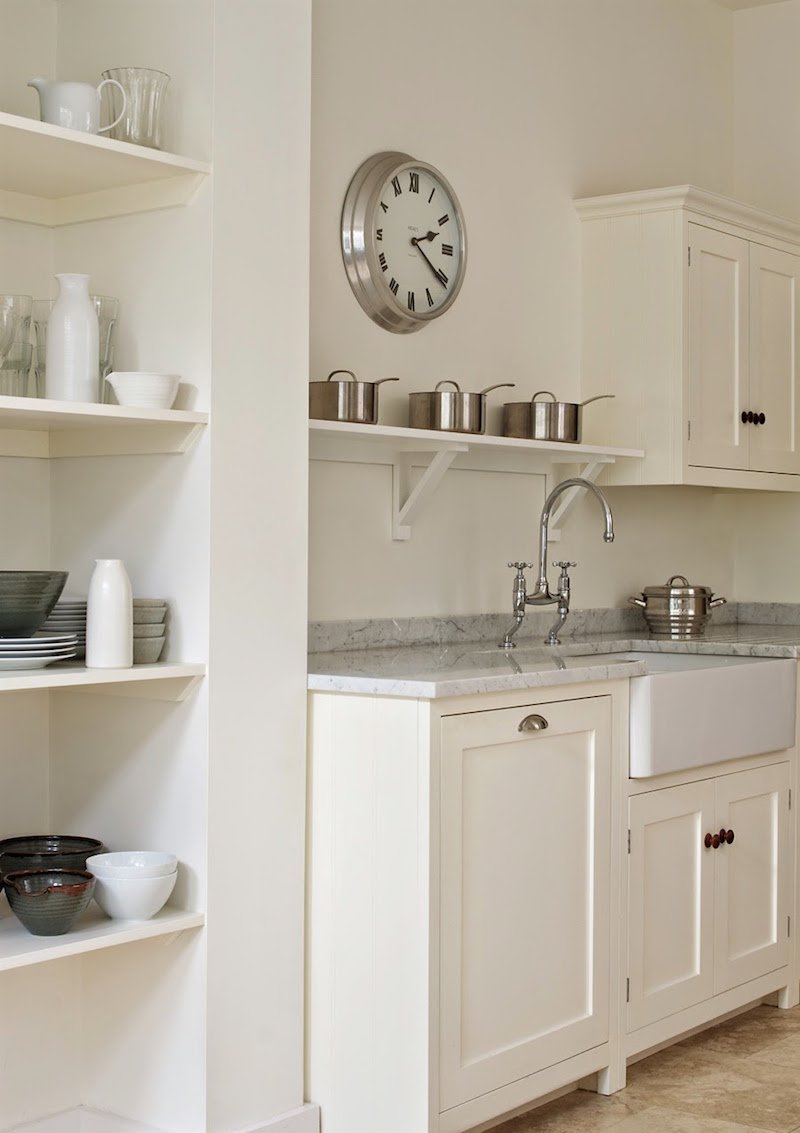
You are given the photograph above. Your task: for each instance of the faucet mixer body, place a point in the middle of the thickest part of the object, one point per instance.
(542, 595)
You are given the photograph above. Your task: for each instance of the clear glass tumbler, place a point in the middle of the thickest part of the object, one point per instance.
(14, 370)
(107, 314)
(141, 122)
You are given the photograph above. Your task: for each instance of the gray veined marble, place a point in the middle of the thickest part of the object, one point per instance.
(435, 657)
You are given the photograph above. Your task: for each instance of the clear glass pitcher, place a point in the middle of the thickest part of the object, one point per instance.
(141, 119)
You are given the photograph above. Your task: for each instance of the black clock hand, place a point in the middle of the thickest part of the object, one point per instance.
(428, 236)
(435, 270)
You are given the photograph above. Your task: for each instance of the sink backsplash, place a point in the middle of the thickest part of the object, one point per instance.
(380, 633)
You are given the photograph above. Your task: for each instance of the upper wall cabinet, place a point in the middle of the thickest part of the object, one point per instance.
(691, 313)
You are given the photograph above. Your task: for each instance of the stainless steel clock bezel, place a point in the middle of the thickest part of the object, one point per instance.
(358, 243)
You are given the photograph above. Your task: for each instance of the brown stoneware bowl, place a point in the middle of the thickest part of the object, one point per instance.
(48, 901)
(46, 851)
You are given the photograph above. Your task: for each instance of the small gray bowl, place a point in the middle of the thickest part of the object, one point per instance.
(48, 901)
(146, 630)
(149, 615)
(147, 650)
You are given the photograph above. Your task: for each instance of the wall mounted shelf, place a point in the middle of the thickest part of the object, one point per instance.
(19, 949)
(31, 426)
(52, 176)
(402, 448)
(163, 681)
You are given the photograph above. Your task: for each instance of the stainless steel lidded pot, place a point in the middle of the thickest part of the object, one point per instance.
(552, 420)
(450, 410)
(677, 611)
(347, 400)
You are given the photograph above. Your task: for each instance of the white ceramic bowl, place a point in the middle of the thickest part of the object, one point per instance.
(143, 390)
(133, 898)
(132, 863)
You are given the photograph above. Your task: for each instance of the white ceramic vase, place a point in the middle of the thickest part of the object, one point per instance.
(72, 358)
(109, 617)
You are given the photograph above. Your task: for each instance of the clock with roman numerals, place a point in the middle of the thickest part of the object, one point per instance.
(403, 241)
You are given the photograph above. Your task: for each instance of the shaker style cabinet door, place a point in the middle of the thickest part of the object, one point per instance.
(671, 902)
(752, 875)
(525, 843)
(774, 360)
(718, 306)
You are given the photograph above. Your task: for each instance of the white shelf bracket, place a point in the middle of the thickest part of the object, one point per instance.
(407, 501)
(589, 472)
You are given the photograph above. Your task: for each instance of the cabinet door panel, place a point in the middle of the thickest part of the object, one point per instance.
(752, 875)
(524, 892)
(671, 902)
(774, 364)
(718, 349)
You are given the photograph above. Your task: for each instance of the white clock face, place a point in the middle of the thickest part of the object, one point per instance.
(403, 241)
(418, 240)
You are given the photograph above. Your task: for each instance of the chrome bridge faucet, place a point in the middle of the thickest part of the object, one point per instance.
(542, 595)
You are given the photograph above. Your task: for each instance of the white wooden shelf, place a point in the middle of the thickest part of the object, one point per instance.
(386, 444)
(52, 176)
(94, 930)
(162, 681)
(32, 426)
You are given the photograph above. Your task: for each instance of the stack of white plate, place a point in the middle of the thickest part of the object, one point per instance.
(37, 651)
(149, 629)
(69, 616)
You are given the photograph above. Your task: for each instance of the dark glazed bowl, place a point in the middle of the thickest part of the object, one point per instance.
(46, 851)
(48, 901)
(26, 599)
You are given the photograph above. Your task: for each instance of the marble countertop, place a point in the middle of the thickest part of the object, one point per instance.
(465, 668)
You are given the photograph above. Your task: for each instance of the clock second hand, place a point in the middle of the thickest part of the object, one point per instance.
(416, 241)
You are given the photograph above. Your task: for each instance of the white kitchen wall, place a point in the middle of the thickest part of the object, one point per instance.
(524, 107)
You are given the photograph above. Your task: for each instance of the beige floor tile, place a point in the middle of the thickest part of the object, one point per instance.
(578, 1112)
(659, 1120)
(747, 1034)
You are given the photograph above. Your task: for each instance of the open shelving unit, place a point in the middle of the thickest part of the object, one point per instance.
(162, 681)
(439, 451)
(53, 176)
(93, 931)
(39, 427)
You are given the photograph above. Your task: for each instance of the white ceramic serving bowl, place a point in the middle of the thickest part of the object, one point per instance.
(144, 390)
(133, 898)
(132, 864)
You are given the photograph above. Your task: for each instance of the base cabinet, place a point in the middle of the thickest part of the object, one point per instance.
(524, 892)
(459, 905)
(707, 913)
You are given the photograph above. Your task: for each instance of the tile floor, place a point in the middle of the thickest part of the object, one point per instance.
(741, 1076)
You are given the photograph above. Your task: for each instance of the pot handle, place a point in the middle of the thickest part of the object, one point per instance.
(638, 602)
(500, 385)
(447, 382)
(547, 391)
(682, 577)
(334, 372)
(598, 397)
(717, 602)
(380, 381)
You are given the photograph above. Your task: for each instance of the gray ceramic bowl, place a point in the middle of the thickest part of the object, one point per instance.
(48, 901)
(47, 851)
(146, 630)
(147, 650)
(149, 615)
(26, 599)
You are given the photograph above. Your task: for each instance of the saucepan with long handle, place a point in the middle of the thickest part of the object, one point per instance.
(540, 420)
(451, 410)
(345, 400)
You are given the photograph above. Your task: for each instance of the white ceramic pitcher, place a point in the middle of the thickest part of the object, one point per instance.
(76, 106)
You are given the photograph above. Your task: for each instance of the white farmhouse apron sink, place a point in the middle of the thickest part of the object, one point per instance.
(690, 710)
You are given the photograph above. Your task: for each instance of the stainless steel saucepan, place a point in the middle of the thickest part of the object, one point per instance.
(451, 410)
(346, 400)
(538, 420)
(677, 611)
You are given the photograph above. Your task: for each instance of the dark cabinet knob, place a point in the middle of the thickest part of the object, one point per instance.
(707, 841)
(729, 837)
(744, 417)
(762, 418)
(750, 417)
(711, 841)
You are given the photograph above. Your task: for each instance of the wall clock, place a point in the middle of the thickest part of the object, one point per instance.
(404, 242)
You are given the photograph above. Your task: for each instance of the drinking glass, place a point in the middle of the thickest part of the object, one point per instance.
(41, 313)
(15, 317)
(14, 370)
(107, 314)
(141, 116)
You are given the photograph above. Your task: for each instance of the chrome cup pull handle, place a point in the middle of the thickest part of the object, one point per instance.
(533, 723)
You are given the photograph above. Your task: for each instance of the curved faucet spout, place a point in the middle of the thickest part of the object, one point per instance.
(542, 592)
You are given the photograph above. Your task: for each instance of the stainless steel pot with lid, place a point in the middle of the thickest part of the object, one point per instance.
(677, 610)
(450, 410)
(347, 400)
(539, 420)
